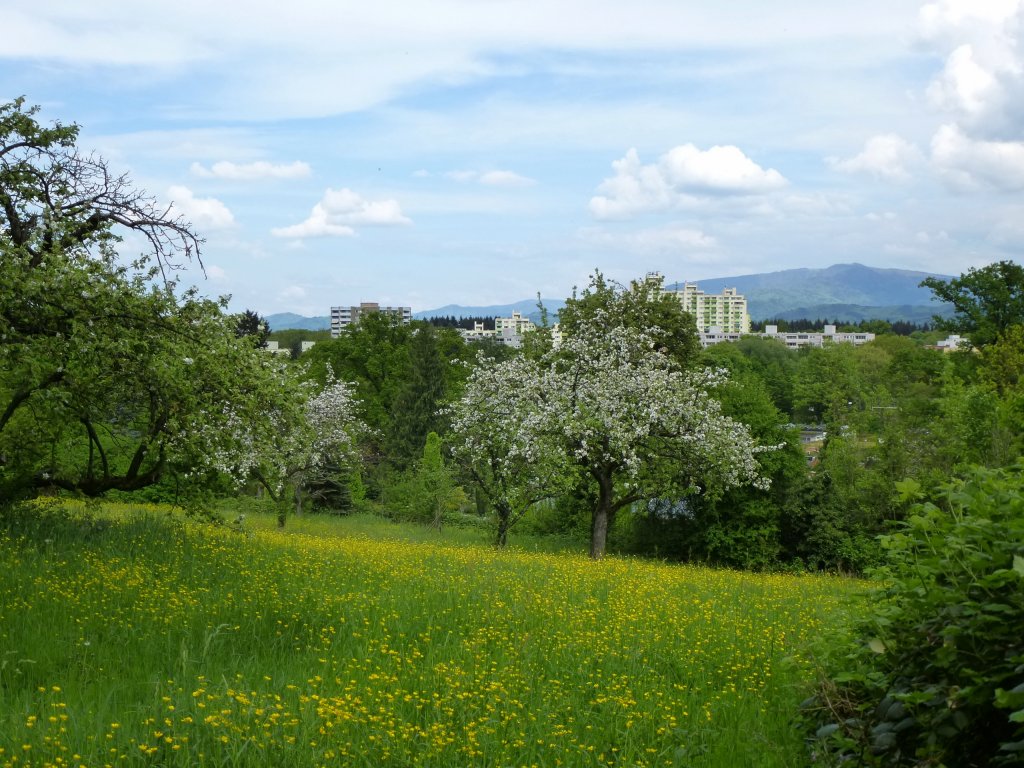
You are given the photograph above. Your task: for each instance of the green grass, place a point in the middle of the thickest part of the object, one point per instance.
(132, 637)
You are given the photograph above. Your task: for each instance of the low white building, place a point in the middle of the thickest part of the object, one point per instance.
(507, 330)
(793, 340)
(953, 343)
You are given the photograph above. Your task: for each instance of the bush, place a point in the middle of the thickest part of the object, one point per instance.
(937, 677)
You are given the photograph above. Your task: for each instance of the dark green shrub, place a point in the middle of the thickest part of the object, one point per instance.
(937, 677)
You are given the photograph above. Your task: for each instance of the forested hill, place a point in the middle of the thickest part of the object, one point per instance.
(844, 292)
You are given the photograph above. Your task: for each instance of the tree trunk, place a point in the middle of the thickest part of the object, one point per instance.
(602, 515)
(504, 516)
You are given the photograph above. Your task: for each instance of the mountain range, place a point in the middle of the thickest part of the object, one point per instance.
(843, 292)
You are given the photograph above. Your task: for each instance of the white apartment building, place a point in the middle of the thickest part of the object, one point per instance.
(726, 311)
(792, 340)
(342, 317)
(517, 324)
(507, 330)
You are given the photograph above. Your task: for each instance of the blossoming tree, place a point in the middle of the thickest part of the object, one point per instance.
(608, 405)
(501, 438)
(110, 376)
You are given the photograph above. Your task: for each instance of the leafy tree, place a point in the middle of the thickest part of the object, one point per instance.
(415, 411)
(623, 415)
(108, 379)
(253, 327)
(935, 677)
(604, 305)
(373, 355)
(828, 384)
(440, 493)
(986, 301)
(513, 461)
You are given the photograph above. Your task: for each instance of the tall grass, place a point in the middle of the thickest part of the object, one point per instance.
(137, 638)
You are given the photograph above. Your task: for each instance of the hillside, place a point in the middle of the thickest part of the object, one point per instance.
(288, 320)
(844, 292)
(526, 307)
(336, 643)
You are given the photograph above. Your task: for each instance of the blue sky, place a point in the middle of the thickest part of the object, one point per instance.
(479, 152)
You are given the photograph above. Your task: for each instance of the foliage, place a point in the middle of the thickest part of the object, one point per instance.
(613, 409)
(828, 384)
(742, 527)
(937, 677)
(641, 305)
(987, 301)
(110, 377)
(500, 440)
(251, 325)
(415, 412)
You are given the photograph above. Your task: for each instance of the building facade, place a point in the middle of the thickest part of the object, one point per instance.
(793, 340)
(342, 317)
(726, 311)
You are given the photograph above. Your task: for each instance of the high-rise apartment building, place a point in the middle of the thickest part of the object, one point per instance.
(726, 310)
(342, 317)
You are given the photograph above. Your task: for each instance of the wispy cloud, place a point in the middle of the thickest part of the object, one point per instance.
(252, 171)
(492, 178)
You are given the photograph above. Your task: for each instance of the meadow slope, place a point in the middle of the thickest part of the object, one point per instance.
(130, 637)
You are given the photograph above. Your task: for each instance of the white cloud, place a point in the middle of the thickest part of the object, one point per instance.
(888, 157)
(339, 211)
(968, 164)
(492, 178)
(293, 292)
(252, 171)
(679, 179)
(982, 81)
(203, 212)
(296, 53)
(717, 170)
(505, 179)
(215, 273)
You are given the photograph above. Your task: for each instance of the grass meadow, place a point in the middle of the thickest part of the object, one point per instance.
(129, 636)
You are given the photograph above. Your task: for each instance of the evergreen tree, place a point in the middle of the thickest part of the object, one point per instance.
(414, 413)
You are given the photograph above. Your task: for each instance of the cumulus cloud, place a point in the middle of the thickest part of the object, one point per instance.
(203, 212)
(252, 171)
(967, 163)
(492, 178)
(340, 211)
(215, 273)
(981, 84)
(887, 157)
(681, 176)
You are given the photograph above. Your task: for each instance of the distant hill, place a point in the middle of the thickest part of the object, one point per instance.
(288, 320)
(843, 291)
(854, 313)
(526, 307)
